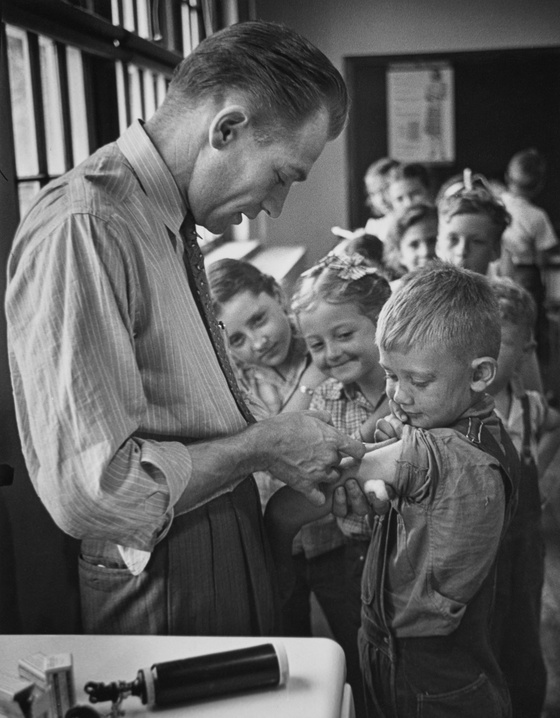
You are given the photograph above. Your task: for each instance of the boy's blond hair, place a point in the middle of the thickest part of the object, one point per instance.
(442, 306)
(515, 304)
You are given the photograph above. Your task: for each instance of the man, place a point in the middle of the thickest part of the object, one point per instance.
(135, 440)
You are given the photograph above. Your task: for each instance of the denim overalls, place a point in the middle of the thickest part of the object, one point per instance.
(444, 676)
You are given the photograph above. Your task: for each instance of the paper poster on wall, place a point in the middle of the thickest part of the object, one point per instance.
(420, 111)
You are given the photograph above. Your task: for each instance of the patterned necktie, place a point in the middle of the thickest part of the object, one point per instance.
(194, 263)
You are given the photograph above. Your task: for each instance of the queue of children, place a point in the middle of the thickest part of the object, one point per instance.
(419, 370)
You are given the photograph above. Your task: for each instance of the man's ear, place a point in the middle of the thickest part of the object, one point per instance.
(483, 373)
(226, 125)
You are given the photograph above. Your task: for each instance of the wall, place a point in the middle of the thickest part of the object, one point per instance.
(364, 27)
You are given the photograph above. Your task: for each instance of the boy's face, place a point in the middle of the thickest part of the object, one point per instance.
(405, 193)
(470, 241)
(341, 341)
(259, 330)
(431, 385)
(513, 349)
(418, 244)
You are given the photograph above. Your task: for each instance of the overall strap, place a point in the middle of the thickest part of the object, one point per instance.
(526, 453)
(481, 437)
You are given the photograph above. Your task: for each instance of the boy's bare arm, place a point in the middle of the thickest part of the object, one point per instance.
(375, 472)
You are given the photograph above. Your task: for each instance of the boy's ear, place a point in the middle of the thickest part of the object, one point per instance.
(226, 126)
(483, 373)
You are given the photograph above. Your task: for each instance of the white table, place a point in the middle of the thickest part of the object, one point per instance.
(316, 687)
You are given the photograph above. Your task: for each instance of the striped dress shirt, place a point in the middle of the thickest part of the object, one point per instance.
(105, 340)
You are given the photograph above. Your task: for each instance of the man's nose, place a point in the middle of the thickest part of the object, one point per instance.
(274, 203)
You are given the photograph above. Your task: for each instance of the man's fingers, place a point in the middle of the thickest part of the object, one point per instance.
(315, 496)
(355, 496)
(340, 505)
(351, 447)
(323, 416)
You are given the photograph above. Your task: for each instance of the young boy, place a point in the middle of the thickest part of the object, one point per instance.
(452, 471)
(472, 221)
(530, 237)
(525, 415)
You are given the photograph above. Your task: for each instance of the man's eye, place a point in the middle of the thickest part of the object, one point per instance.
(419, 384)
(281, 181)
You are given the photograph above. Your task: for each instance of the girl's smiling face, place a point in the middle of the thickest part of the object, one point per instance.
(259, 331)
(341, 341)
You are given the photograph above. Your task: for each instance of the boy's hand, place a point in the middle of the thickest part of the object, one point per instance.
(391, 426)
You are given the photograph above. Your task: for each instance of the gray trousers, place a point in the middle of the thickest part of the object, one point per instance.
(211, 575)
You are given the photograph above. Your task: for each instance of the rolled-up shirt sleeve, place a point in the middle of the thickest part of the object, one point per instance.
(71, 307)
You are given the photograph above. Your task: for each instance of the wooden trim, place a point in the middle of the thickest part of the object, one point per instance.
(93, 34)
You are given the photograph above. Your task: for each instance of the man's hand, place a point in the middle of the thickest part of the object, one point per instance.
(303, 450)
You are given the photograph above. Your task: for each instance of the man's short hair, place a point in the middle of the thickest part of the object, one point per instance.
(516, 305)
(287, 79)
(442, 306)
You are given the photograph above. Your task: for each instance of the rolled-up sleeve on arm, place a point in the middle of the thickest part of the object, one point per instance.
(71, 313)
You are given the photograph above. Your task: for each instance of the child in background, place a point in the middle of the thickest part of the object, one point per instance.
(375, 183)
(336, 304)
(411, 241)
(530, 237)
(525, 416)
(452, 473)
(408, 185)
(274, 365)
(271, 359)
(471, 223)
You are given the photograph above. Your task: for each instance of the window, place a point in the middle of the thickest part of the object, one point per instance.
(100, 65)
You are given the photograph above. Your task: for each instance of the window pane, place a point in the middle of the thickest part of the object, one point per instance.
(23, 115)
(121, 96)
(115, 12)
(135, 93)
(149, 94)
(26, 193)
(78, 116)
(143, 22)
(52, 106)
(161, 90)
(128, 15)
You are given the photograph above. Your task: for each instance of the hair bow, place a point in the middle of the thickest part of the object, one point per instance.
(468, 183)
(347, 266)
